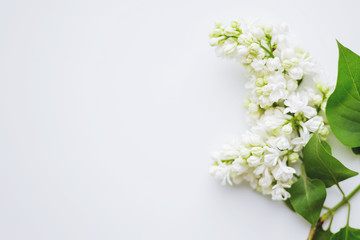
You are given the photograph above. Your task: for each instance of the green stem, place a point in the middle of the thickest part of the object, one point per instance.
(348, 217)
(348, 202)
(229, 161)
(267, 50)
(342, 192)
(324, 217)
(340, 204)
(331, 220)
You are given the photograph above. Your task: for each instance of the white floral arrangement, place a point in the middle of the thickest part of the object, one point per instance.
(286, 107)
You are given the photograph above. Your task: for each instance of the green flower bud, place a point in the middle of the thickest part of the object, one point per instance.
(324, 132)
(229, 31)
(322, 87)
(287, 64)
(259, 90)
(318, 99)
(293, 157)
(259, 82)
(235, 24)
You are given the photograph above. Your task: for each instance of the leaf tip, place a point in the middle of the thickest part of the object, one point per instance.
(339, 44)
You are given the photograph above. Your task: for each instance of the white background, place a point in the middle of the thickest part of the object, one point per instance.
(109, 110)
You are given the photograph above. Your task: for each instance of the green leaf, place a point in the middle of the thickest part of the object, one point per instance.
(320, 164)
(307, 198)
(322, 235)
(343, 106)
(326, 146)
(347, 233)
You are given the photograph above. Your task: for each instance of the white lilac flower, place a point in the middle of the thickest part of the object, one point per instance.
(230, 46)
(287, 129)
(281, 142)
(258, 65)
(272, 155)
(221, 172)
(295, 73)
(298, 103)
(314, 124)
(302, 140)
(274, 118)
(266, 180)
(254, 161)
(282, 114)
(282, 172)
(273, 64)
(277, 87)
(242, 51)
(215, 41)
(279, 193)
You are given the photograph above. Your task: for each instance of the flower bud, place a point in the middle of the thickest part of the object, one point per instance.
(257, 151)
(259, 90)
(322, 87)
(240, 160)
(287, 129)
(324, 132)
(229, 46)
(242, 51)
(317, 99)
(292, 84)
(325, 89)
(287, 64)
(229, 31)
(235, 24)
(293, 157)
(216, 32)
(244, 152)
(327, 95)
(253, 107)
(215, 41)
(259, 82)
(295, 73)
(253, 161)
(254, 48)
(273, 63)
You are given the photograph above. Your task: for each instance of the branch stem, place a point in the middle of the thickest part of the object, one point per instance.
(329, 213)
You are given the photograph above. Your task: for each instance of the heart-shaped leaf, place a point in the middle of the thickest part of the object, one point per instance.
(343, 106)
(320, 164)
(307, 198)
(347, 233)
